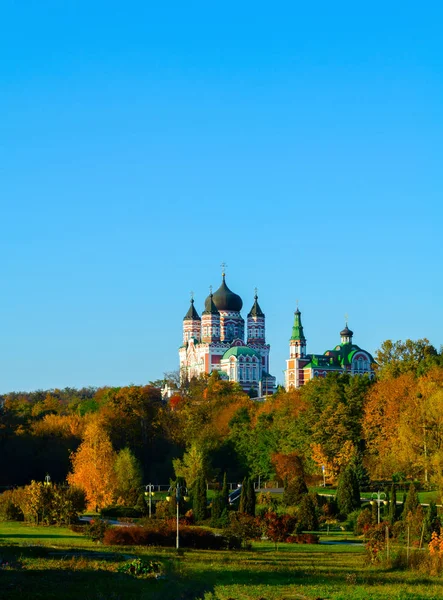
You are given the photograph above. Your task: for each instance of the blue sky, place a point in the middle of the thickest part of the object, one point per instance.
(142, 144)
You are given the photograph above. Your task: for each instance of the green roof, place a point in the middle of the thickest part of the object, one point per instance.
(297, 328)
(240, 351)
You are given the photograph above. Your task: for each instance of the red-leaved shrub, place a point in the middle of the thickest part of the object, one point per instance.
(303, 538)
(165, 535)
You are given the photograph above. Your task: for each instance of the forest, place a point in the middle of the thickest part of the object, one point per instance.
(389, 428)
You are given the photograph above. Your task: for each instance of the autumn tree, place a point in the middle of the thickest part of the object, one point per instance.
(93, 466)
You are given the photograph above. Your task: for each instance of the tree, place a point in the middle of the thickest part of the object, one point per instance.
(411, 503)
(307, 513)
(348, 492)
(93, 466)
(199, 499)
(192, 465)
(294, 491)
(129, 477)
(220, 506)
(394, 358)
(247, 497)
(287, 466)
(393, 505)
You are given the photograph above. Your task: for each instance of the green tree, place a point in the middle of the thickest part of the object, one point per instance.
(393, 504)
(199, 499)
(307, 514)
(413, 356)
(348, 492)
(129, 477)
(192, 465)
(247, 497)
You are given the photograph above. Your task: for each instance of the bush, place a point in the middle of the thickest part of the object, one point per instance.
(96, 529)
(165, 535)
(245, 527)
(364, 521)
(120, 512)
(303, 538)
(10, 506)
(141, 568)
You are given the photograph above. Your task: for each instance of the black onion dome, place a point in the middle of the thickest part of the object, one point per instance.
(225, 299)
(210, 308)
(346, 332)
(192, 314)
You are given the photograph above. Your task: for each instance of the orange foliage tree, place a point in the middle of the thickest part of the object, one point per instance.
(93, 466)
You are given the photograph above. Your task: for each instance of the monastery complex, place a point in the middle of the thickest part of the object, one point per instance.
(219, 340)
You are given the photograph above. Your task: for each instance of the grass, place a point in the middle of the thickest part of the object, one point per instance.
(52, 563)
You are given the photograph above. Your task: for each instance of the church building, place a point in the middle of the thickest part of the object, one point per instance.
(216, 341)
(346, 357)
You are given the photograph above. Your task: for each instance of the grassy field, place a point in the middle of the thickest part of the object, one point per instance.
(54, 563)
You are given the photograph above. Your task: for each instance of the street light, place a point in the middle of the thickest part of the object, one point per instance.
(323, 468)
(47, 480)
(148, 495)
(180, 492)
(378, 497)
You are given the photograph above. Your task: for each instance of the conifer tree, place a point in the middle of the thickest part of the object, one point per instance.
(225, 491)
(247, 497)
(199, 498)
(411, 503)
(393, 505)
(307, 513)
(348, 492)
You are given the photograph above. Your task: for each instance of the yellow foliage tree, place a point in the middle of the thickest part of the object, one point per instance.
(93, 466)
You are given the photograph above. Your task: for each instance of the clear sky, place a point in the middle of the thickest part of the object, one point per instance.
(143, 143)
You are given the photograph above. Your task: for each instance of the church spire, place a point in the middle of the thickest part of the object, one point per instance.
(297, 343)
(256, 311)
(297, 328)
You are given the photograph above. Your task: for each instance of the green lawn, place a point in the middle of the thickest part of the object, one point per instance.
(55, 563)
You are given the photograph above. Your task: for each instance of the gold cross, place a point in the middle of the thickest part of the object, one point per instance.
(223, 266)
(192, 295)
(346, 319)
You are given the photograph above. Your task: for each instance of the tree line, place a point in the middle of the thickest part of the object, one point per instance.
(388, 427)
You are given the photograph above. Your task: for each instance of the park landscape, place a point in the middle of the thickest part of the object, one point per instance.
(340, 491)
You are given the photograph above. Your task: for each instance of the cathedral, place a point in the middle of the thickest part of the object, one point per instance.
(346, 357)
(216, 341)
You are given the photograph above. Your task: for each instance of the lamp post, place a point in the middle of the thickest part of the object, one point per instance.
(47, 480)
(378, 497)
(323, 468)
(180, 492)
(148, 495)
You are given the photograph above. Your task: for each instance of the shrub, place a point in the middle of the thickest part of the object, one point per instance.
(141, 568)
(245, 527)
(10, 506)
(96, 529)
(303, 538)
(278, 528)
(165, 535)
(120, 512)
(364, 521)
